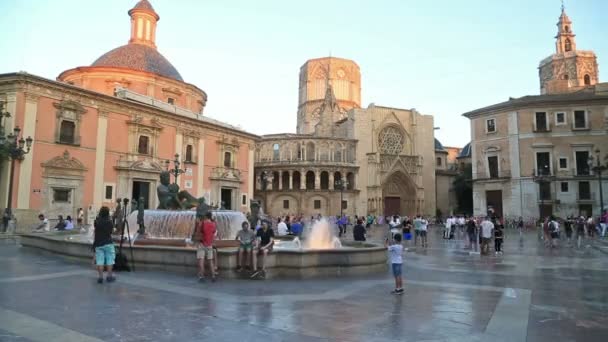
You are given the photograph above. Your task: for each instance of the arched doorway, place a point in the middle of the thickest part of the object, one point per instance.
(399, 195)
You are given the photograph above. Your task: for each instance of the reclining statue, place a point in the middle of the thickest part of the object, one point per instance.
(170, 198)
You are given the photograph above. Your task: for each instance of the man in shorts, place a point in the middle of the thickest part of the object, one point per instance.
(204, 251)
(246, 237)
(486, 235)
(265, 241)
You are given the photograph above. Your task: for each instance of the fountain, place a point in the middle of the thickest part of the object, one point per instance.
(163, 241)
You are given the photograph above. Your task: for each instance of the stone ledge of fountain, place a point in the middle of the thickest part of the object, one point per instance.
(280, 263)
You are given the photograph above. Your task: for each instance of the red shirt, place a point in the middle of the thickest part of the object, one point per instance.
(207, 232)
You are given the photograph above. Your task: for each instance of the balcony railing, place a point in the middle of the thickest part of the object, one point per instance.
(582, 172)
(585, 196)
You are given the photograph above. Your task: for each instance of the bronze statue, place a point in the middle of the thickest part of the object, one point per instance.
(254, 217)
(169, 196)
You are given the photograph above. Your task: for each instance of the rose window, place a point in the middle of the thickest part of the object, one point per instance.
(390, 141)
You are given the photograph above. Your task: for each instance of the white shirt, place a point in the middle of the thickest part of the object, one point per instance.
(395, 253)
(423, 224)
(282, 228)
(461, 221)
(486, 229)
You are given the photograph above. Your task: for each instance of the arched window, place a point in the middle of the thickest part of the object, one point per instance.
(310, 180)
(566, 77)
(299, 148)
(276, 152)
(285, 180)
(338, 154)
(189, 149)
(568, 45)
(567, 28)
(324, 180)
(438, 161)
(227, 160)
(337, 177)
(276, 178)
(310, 151)
(296, 180)
(587, 79)
(67, 131)
(143, 145)
(350, 178)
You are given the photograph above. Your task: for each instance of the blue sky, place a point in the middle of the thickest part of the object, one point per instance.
(442, 57)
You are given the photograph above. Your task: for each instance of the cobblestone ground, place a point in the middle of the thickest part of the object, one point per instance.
(529, 294)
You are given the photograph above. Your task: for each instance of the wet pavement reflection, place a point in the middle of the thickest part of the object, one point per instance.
(529, 294)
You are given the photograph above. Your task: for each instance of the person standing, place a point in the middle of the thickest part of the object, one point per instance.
(486, 234)
(6, 218)
(472, 233)
(103, 245)
(204, 251)
(282, 229)
(553, 231)
(395, 252)
(359, 231)
(448, 228)
(498, 239)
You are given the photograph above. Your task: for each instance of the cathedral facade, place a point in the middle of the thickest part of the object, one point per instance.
(344, 158)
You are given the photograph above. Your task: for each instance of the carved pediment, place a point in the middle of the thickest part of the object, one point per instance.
(65, 162)
(224, 140)
(154, 124)
(69, 106)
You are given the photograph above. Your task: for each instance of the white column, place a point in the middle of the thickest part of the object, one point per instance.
(331, 180)
(100, 158)
(11, 107)
(290, 180)
(200, 175)
(25, 169)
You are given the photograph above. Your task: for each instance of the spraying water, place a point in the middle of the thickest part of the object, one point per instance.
(322, 236)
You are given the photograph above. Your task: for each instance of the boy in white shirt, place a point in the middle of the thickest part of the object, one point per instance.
(395, 251)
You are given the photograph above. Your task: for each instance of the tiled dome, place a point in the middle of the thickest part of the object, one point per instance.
(438, 145)
(465, 152)
(139, 57)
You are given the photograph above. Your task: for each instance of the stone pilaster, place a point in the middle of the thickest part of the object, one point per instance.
(25, 169)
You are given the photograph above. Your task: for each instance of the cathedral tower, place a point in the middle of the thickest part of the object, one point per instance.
(568, 69)
(342, 75)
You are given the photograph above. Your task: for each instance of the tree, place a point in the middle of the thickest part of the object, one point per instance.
(463, 186)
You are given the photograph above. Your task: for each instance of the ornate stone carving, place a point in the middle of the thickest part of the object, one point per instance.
(65, 162)
(390, 140)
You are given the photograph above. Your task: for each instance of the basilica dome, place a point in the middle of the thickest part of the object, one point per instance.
(139, 57)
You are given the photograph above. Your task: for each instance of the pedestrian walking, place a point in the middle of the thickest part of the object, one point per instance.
(395, 251)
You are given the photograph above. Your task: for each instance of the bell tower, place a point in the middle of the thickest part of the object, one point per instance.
(143, 24)
(568, 69)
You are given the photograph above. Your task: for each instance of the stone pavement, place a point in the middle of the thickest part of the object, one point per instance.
(529, 294)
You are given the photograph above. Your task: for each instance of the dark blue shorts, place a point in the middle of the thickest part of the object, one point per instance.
(397, 270)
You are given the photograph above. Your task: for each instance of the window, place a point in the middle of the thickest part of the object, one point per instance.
(143, 145)
(563, 163)
(344, 205)
(109, 193)
(61, 195)
(493, 166)
(567, 28)
(438, 161)
(227, 160)
(564, 186)
(584, 191)
(544, 189)
(244, 200)
(317, 204)
(543, 163)
(582, 163)
(490, 125)
(580, 119)
(66, 132)
(189, 150)
(587, 79)
(568, 45)
(541, 122)
(275, 152)
(171, 101)
(286, 204)
(560, 118)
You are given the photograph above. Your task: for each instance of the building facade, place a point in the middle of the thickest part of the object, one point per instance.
(531, 155)
(375, 159)
(107, 131)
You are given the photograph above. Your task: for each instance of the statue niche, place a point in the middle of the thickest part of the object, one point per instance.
(170, 198)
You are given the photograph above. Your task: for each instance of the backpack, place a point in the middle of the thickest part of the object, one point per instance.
(552, 227)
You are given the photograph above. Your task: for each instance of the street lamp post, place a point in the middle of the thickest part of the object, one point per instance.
(176, 171)
(598, 168)
(341, 184)
(15, 148)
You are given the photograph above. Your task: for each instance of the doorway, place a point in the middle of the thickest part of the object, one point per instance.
(141, 189)
(226, 198)
(392, 206)
(494, 202)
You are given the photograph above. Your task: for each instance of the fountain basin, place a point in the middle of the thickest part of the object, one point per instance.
(298, 263)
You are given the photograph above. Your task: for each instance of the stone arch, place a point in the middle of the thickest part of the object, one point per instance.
(350, 178)
(324, 180)
(285, 180)
(275, 180)
(310, 180)
(297, 180)
(587, 79)
(337, 176)
(399, 195)
(310, 151)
